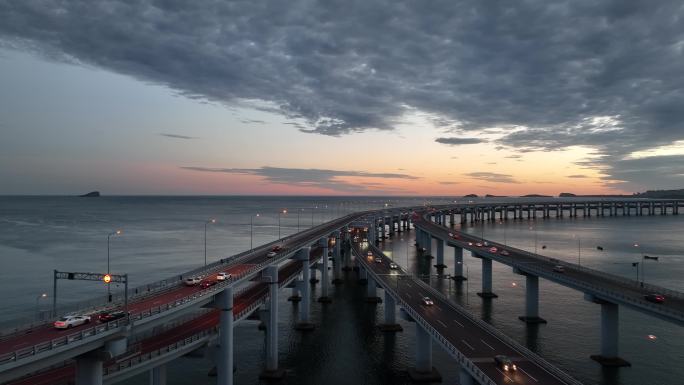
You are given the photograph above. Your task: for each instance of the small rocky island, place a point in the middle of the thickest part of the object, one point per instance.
(92, 194)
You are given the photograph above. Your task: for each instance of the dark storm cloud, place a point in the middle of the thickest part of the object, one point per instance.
(311, 177)
(540, 70)
(459, 141)
(177, 136)
(492, 177)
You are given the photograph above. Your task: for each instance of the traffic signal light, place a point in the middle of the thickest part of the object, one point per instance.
(107, 278)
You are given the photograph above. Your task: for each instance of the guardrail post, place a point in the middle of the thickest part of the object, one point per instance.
(304, 306)
(423, 371)
(272, 371)
(325, 282)
(440, 254)
(158, 375)
(225, 364)
(486, 278)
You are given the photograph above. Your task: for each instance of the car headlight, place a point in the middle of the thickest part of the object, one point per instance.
(505, 367)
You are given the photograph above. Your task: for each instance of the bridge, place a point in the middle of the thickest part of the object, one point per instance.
(111, 352)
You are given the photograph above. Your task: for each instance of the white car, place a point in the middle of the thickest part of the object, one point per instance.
(393, 266)
(192, 281)
(70, 321)
(378, 260)
(427, 301)
(271, 254)
(504, 252)
(223, 276)
(559, 269)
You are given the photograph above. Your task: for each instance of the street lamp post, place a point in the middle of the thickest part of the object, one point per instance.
(43, 295)
(251, 231)
(280, 214)
(205, 238)
(109, 236)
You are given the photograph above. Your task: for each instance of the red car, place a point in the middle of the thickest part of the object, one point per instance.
(657, 298)
(206, 284)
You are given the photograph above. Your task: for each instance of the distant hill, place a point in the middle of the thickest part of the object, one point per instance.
(535, 196)
(652, 194)
(92, 194)
(495, 196)
(470, 196)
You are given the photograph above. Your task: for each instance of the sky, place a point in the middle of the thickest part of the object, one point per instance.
(341, 97)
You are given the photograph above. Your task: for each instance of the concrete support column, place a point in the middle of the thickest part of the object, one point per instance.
(391, 225)
(464, 378)
(372, 291)
(337, 261)
(363, 275)
(383, 229)
(609, 336)
(424, 371)
(89, 369)
(304, 322)
(224, 366)
(458, 264)
(532, 300)
(390, 324)
(428, 244)
(313, 279)
(440, 254)
(158, 376)
(486, 279)
(272, 371)
(325, 280)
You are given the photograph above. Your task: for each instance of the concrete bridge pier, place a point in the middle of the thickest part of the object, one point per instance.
(531, 300)
(458, 265)
(89, 369)
(337, 261)
(423, 371)
(295, 296)
(464, 378)
(325, 281)
(428, 245)
(224, 367)
(440, 254)
(383, 229)
(390, 324)
(158, 376)
(272, 371)
(610, 334)
(313, 278)
(304, 322)
(372, 293)
(391, 225)
(363, 275)
(486, 278)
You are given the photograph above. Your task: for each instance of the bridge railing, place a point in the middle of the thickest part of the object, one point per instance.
(607, 276)
(483, 325)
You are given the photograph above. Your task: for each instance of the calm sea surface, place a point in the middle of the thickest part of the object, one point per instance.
(163, 236)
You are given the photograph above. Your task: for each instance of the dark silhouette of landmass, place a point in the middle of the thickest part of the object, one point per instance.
(535, 196)
(470, 196)
(495, 196)
(653, 194)
(92, 194)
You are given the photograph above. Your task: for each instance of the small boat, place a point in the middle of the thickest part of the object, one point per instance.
(599, 248)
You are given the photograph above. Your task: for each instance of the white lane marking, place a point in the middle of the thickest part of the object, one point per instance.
(408, 284)
(488, 345)
(408, 295)
(468, 345)
(505, 375)
(442, 323)
(528, 375)
(459, 324)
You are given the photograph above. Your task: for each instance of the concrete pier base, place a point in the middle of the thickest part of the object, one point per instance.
(423, 371)
(390, 324)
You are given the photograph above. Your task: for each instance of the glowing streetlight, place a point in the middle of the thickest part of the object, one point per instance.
(280, 214)
(38, 298)
(251, 232)
(205, 238)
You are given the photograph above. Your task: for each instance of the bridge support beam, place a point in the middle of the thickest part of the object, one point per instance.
(440, 254)
(325, 280)
(464, 378)
(224, 367)
(428, 245)
(158, 375)
(423, 371)
(272, 371)
(383, 230)
(458, 265)
(609, 335)
(486, 279)
(372, 290)
(337, 261)
(304, 322)
(363, 275)
(89, 369)
(532, 301)
(390, 324)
